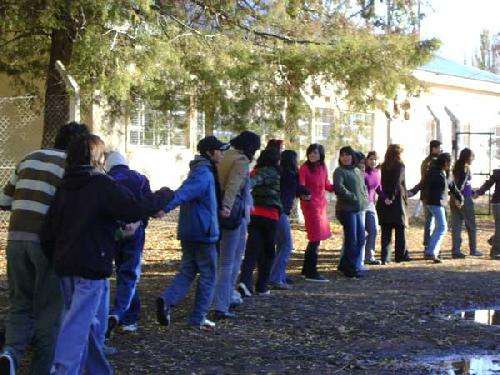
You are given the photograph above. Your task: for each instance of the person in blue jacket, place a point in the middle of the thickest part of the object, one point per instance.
(198, 230)
(127, 305)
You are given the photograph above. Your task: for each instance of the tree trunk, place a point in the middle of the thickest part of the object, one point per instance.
(56, 105)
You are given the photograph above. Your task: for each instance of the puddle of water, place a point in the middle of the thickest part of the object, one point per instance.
(490, 317)
(481, 365)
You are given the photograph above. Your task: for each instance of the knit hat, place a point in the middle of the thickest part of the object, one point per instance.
(113, 159)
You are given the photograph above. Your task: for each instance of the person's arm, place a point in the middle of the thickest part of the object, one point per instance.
(235, 179)
(340, 189)
(7, 195)
(455, 192)
(195, 186)
(424, 169)
(302, 175)
(328, 185)
(487, 185)
(119, 203)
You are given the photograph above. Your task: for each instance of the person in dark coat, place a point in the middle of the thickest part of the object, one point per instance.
(79, 237)
(392, 204)
(436, 185)
(494, 179)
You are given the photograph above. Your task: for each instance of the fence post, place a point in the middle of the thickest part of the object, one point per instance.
(74, 90)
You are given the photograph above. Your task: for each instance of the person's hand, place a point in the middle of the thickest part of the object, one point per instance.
(225, 212)
(387, 201)
(410, 194)
(306, 197)
(475, 195)
(159, 214)
(130, 229)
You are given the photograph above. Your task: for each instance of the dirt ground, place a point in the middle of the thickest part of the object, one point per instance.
(384, 323)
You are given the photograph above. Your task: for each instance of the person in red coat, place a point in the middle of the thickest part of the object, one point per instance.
(313, 174)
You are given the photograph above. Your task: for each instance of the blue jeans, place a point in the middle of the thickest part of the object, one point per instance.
(371, 227)
(197, 257)
(102, 313)
(428, 225)
(127, 304)
(283, 250)
(439, 215)
(232, 246)
(79, 345)
(354, 241)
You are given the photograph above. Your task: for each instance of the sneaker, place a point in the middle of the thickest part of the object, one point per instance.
(7, 364)
(264, 293)
(109, 350)
(476, 253)
(281, 286)
(162, 312)
(244, 291)
(221, 315)
(317, 279)
(129, 327)
(495, 256)
(435, 259)
(374, 262)
(113, 322)
(205, 325)
(458, 256)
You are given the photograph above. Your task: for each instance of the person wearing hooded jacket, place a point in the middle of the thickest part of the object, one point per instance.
(436, 186)
(79, 237)
(198, 230)
(127, 305)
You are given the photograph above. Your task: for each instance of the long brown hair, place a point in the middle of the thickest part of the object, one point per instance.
(460, 166)
(85, 150)
(393, 156)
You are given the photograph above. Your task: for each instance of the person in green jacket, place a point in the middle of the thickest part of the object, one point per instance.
(352, 200)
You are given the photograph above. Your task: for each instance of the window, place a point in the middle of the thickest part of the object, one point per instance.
(323, 120)
(154, 128)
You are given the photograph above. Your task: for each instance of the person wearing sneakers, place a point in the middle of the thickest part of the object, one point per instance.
(233, 172)
(494, 241)
(352, 201)
(374, 187)
(127, 305)
(263, 223)
(313, 174)
(78, 235)
(35, 299)
(436, 186)
(290, 189)
(466, 213)
(199, 232)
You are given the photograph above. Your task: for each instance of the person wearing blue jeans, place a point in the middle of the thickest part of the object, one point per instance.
(290, 189)
(197, 258)
(198, 230)
(352, 200)
(284, 244)
(436, 187)
(127, 304)
(78, 235)
(82, 329)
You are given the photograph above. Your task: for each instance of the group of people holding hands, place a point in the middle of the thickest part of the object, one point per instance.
(76, 210)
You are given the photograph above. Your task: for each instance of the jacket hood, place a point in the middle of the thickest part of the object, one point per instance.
(199, 161)
(113, 159)
(77, 177)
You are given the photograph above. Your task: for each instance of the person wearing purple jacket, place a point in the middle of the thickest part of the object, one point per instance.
(494, 241)
(374, 187)
(127, 305)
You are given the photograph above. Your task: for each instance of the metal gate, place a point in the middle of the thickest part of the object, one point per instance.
(485, 168)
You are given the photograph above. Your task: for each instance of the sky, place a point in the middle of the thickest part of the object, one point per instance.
(458, 23)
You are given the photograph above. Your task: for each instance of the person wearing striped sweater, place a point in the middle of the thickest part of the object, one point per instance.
(35, 299)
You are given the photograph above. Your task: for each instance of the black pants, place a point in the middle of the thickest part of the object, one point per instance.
(259, 250)
(400, 246)
(310, 265)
